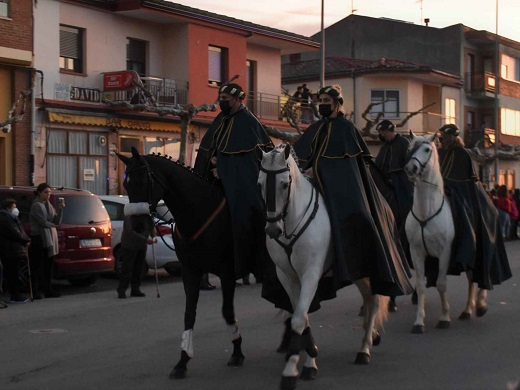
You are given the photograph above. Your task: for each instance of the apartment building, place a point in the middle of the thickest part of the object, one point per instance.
(488, 105)
(92, 50)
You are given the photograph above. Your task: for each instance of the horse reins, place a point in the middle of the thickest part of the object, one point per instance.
(424, 222)
(271, 203)
(205, 225)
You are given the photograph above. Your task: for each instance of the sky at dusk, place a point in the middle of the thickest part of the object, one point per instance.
(304, 16)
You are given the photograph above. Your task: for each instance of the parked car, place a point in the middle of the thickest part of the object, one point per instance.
(165, 254)
(84, 235)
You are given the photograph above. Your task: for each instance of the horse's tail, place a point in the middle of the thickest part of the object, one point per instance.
(382, 313)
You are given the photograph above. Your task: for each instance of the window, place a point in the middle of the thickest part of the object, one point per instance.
(388, 103)
(216, 65)
(449, 110)
(165, 146)
(510, 121)
(136, 56)
(71, 49)
(4, 8)
(73, 155)
(510, 68)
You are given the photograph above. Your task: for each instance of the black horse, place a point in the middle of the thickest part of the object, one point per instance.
(201, 236)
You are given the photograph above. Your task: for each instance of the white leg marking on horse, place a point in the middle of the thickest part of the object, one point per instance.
(187, 342)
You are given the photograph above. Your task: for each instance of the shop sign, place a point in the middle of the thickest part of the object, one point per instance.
(85, 94)
(118, 81)
(88, 174)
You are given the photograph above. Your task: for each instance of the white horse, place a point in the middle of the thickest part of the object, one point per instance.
(430, 230)
(299, 243)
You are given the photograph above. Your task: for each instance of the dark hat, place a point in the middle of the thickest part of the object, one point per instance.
(233, 89)
(385, 125)
(332, 92)
(450, 129)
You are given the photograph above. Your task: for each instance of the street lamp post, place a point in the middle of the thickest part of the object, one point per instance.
(497, 90)
(322, 46)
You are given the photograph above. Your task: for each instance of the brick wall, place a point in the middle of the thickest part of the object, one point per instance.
(16, 32)
(22, 129)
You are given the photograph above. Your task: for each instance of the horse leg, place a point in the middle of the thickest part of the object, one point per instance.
(481, 302)
(371, 304)
(292, 357)
(286, 337)
(470, 304)
(228, 312)
(442, 285)
(420, 287)
(191, 281)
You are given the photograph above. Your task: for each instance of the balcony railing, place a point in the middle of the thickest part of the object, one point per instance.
(479, 83)
(167, 92)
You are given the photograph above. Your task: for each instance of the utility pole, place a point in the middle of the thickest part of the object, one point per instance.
(497, 90)
(322, 46)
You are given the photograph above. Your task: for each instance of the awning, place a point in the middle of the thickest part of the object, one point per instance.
(110, 121)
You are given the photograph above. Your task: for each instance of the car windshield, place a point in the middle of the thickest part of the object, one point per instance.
(83, 210)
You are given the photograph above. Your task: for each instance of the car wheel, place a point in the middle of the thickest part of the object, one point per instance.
(118, 265)
(83, 281)
(173, 268)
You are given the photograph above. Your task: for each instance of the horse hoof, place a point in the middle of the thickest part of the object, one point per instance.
(464, 316)
(178, 373)
(288, 382)
(392, 307)
(377, 339)
(443, 325)
(236, 361)
(481, 311)
(309, 373)
(362, 358)
(418, 329)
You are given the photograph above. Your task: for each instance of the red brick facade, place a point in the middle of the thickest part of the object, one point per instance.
(17, 33)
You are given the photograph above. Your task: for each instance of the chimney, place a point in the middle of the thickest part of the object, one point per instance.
(426, 21)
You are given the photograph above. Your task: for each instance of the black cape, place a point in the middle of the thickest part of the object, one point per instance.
(478, 245)
(365, 237)
(235, 140)
(392, 181)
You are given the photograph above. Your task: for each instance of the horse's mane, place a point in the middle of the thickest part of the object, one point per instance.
(171, 160)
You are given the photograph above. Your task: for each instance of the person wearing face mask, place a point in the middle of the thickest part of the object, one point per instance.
(228, 152)
(44, 219)
(13, 248)
(392, 181)
(364, 234)
(478, 244)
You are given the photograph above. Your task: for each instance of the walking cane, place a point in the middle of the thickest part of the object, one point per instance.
(30, 279)
(155, 266)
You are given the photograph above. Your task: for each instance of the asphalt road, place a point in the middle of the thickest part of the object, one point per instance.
(89, 339)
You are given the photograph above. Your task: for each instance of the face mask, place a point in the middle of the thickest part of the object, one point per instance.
(381, 138)
(15, 212)
(325, 110)
(225, 106)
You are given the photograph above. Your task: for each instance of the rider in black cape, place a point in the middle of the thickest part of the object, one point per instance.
(364, 234)
(228, 151)
(478, 244)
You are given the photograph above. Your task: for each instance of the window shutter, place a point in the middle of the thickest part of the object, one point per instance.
(214, 64)
(69, 43)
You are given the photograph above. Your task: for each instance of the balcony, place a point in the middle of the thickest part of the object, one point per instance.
(166, 92)
(480, 85)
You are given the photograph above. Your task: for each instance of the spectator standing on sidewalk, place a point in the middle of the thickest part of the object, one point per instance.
(13, 248)
(44, 219)
(138, 232)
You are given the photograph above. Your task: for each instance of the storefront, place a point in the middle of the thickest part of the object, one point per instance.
(75, 149)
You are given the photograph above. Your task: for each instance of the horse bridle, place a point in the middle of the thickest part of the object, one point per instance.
(270, 194)
(423, 223)
(270, 183)
(421, 164)
(151, 176)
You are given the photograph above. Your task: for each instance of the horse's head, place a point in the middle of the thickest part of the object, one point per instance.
(275, 184)
(421, 155)
(140, 182)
